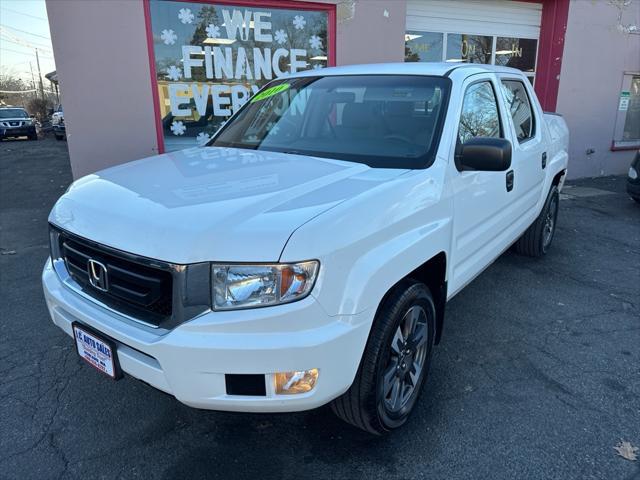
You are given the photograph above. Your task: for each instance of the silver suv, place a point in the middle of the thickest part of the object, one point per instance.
(15, 122)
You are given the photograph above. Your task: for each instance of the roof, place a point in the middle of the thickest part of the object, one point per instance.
(408, 68)
(52, 76)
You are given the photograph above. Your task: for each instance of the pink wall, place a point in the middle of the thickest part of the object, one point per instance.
(103, 66)
(595, 56)
(367, 35)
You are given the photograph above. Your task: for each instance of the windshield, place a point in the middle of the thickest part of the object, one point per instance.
(389, 121)
(13, 113)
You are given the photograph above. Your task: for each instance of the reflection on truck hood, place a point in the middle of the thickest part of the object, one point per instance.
(210, 204)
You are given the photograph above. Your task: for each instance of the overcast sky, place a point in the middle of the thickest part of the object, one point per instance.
(24, 27)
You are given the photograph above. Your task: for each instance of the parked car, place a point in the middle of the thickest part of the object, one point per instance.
(16, 122)
(305, 256)
(58, 125)
(633, 178)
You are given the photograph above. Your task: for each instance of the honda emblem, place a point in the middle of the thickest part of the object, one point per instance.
(98, 275)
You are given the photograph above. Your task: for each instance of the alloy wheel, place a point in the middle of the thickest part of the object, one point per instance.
(550, 222)
(408, 355)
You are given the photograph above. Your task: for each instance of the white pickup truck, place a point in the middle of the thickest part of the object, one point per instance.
(306, 254)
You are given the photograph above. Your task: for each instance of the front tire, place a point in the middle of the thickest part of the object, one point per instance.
(535, 242)
(395, 362)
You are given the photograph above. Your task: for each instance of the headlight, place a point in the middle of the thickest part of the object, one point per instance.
(246, 286)
(633, 174)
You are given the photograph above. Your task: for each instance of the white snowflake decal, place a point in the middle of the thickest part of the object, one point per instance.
(185, 15)
(317, 66)
(169, 37)
(299, 22)
(315, 42)
(280, 36)
(173, 73)
(213, 31)
(202, 138)
(178, 128)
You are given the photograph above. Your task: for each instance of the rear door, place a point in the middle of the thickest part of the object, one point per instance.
(483, 201)
(529, 150)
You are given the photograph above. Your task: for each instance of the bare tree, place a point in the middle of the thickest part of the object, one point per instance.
(10, 83)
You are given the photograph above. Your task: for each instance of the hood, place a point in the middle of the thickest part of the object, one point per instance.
(209, 204)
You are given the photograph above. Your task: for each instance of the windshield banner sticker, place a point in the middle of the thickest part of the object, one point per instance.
(270, 92)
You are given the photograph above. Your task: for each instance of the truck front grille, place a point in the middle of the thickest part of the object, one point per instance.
(135, 289)
(157, 293)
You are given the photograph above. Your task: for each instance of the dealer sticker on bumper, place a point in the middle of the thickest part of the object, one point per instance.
(96, 351)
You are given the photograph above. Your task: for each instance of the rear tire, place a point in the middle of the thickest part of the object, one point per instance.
(395, 362)
(535, 242)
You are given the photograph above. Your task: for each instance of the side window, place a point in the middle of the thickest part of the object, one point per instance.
(517, 100)
(479, 117)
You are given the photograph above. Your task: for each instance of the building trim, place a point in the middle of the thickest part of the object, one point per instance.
(284, 4)
(154, 77)
(553, 27)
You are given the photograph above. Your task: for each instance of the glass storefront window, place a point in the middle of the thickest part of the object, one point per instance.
(210, 58)
(626, 133)
(423, 47)
(469, 48)
(518, 53)
(509, 51)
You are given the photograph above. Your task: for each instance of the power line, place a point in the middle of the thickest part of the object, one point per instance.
(18, 91)
(25, 14)
(22, 53)
(31, 45)
(24, 31)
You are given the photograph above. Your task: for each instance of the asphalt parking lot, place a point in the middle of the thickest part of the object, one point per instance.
(537, 376)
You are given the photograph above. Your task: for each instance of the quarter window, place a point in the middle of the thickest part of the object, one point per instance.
(479, 117)
(517, 100)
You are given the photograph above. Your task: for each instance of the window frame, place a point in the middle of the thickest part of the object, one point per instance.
(617, 143)
(534, 118)
(302, 5)
(493, 88)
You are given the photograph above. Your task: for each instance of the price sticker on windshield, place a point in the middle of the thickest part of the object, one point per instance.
(270, 92)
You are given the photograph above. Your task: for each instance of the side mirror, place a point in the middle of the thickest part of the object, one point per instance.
(486, 154)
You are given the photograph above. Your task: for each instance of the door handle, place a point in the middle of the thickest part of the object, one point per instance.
(510, 180)
(544, 160)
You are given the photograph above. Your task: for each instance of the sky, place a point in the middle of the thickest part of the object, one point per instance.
(23, 27)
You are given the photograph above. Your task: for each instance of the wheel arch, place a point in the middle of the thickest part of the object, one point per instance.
(558, 178)
(433, 274)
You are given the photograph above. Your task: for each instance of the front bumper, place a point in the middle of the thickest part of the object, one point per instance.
(191, 360)
(17, 131)
(633, 189)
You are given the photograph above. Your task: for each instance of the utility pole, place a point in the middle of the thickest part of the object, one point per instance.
(33, 80)
(40, 75)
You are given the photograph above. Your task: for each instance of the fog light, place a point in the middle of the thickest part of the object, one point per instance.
(291, 383)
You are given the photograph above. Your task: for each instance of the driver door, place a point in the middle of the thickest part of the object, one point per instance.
(482, 200)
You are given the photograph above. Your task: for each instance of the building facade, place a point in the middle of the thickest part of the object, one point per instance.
(142, 77)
